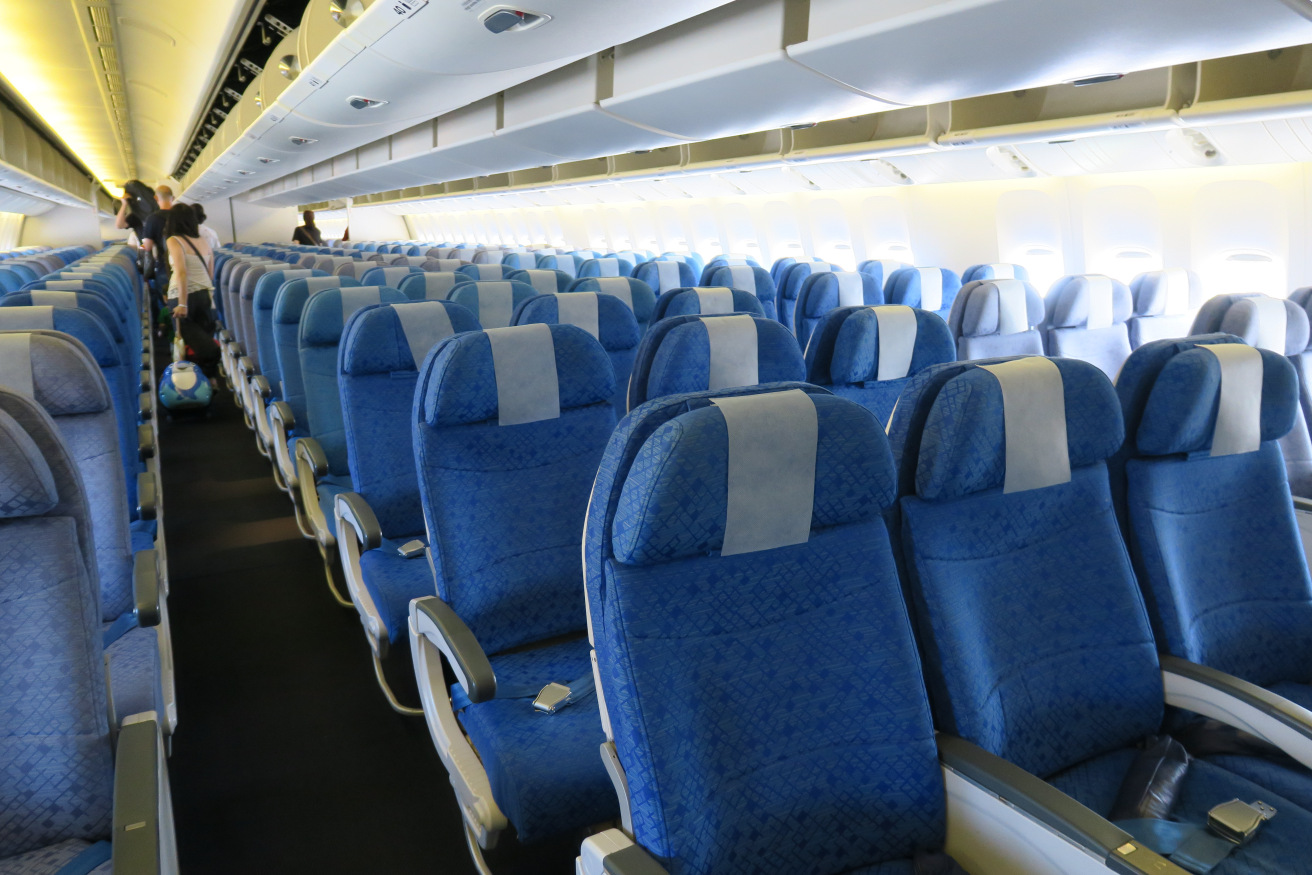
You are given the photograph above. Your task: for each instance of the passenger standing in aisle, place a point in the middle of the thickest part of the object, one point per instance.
(307, 234)
(152, 240)
(190, 286)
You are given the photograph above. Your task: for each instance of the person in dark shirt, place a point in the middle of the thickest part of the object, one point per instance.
(152, 240)
(307, 234)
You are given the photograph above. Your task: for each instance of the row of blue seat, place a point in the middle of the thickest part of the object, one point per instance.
(83, 566)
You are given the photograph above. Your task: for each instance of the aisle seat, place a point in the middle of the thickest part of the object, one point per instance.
(604, 317)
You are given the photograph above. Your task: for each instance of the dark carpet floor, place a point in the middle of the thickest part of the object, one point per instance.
(287, 758)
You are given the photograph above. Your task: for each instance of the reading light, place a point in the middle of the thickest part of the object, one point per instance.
(358, 102)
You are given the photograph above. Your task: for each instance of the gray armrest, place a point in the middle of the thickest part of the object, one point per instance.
(225, 336)
(280, 414)
(356, 512)
(311, 451)
(614, 852)
(261, 385)
(1048, 805)
(144, 404)
(138, 826)
(145, 441)
(145, 587)
(633, 860)
(147, 500)
(246, 366)
(458, 643)
(1302, 504)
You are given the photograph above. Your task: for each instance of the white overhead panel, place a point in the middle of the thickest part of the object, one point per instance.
(1116, 153)
(727, 72)
(1256, 87)
(468, 135)
(1269, 142)
(560, 113)
(918, 52)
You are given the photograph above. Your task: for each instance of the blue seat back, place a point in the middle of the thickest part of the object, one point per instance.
(1164, 302)
(692, 259)
(995, 271)
(492, 303)
(485, 272)
(689, 354)
(663, 274)
(748, 278)
(791, 287)
(383, 350)
(431, 285)
(322, 324)
(719, 261)
(11, 280)
(1207, 506)
(520, 261)
(386, 276)
(705, 301)
(504, 503)
(1036, 642)
(605, 267)
(868, 354)
(604, 317)
(559, 261)
(288, 308)
(546, 282)
(822, 292)
(55, 747)
(881, 269)
(993, 318)
(927, 288)
(636, 295)
(634, 257)
(266, 296)
(1086, 319)
(129, 345)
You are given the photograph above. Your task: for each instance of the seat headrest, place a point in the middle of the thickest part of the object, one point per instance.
(664, 274)
(927, 288)
(514, 376)
(27, 486)
(607, 267)
(1000, 307)
(431, 285)
(826, 291)
(84, 326)
(706, 301)
(634, 293)
(1091, 301)
(752, 473)
(1221, 398)
(392, 338)
(327, 311)
(603, 316)
(1165, 292)
(1268, 323)
(995, 271)
(55, 369)
(747, 277)
(875, 344)
(697, 353)
(493, 302)
(1017, 424)
(882, 269)
(543, 280)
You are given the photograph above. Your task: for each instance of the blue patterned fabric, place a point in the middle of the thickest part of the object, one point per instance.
(1066, 322)
(546, 773)
(790, 287)
(288, 305)
(262, 301)
(1164, 301)
(674, 357)
(1235, 314)
(720, 261)
(617, 330)
(1280, 847)
(1290, 780)
(27, 488)
(977, 322)
(820, 293)
(843, 356)
(135, 675)
(468, 295)
(602, 267)
(392, 581)
(650, 274)
(92, 303)
(50, 860)
(904, 286)
(484, 272)
(640, 295)
(387, 276)
(994, 271)
(762, 286)
(724, 775)
(685, 302)
(547, 280)
(377, 380)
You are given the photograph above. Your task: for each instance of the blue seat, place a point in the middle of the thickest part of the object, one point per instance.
(636, 295)
(781, 266)
(702, 612)
(1037, 645)
(634, 257)
(559, 261)
(1212, 529)
(699, 353)
(492, 303)
(68, 783)
(510, 425)
(120, 328)
(720, 261)
(661, 275)
(1164, 302)
(386, 276)
(692, 259)
(992, 318)
(1086, 319)
(822, 292)
(928, 288)
(485, 272)
(605, 267)
(705, 301)
(546, 282)
(11, 279)
(322, 471)
(382, 351)
(442, 265)
(520, 261)
(868, 354)
(881, 269)
(791, 287)
(604, 317)
(995, 271)
(491, 255)
(748, 278)
(431, 285)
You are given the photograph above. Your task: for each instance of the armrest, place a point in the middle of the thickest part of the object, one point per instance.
(1302, 504)
(147, 499)
(225, 336)
(246, 366)
(145, 441)
(1041, 801)
(143, 384)
(441, 625)
(140, 818)
(144, 404)
(145, 587)
(353, 510)
(261, 385)
(281, 416)
(1238, 703)
(311, 452)
(612, 852)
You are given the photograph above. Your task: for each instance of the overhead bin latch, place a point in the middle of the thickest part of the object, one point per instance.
(504, 19)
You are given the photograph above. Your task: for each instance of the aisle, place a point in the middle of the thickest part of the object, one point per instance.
(287, 758)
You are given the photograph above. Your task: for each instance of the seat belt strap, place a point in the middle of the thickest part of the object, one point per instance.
(95, 855)
(1200, 849)
(549, 699)
(120, 627)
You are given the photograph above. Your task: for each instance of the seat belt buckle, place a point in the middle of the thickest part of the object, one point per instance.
(553, 695)
(1237, 821)
(411, 549)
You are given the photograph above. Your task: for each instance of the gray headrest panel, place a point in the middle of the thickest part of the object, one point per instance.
(1238, 427)
(897, 341)
(524, 358)
(733, 351)
(579, 308)
(714, 300)
(424, 325)
(1034, 423)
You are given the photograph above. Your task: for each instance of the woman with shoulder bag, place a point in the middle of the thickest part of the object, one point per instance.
(190, 286)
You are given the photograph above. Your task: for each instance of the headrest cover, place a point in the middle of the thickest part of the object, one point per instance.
(1090, 301)
(424, 324)
(1163, 293)
(667, 273)
(1001, 307)
(714, 300)
(27, 487)
(733, 344)
(1208, 393)
(742, 276)
(579, 308)
(55, 370)
(1002, 426)
(619, 287)
(897, 341)
(608, 267)
(544, 281)
(738, 478)
(1268, 323)
(469, 373)
(851, 290)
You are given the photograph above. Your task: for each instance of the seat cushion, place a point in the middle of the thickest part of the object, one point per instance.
(143, 535)
(1281, 847)
(545, 769)
(328, 488)
(1292, 781)
(49, 860)
(135, 676)
(392, 581)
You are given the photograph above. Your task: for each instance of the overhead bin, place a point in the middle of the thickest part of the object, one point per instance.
(560, 113)
(739, 152)
(1121, 152)
(897, 131)
(727, 72)
(919, 52)
(1263, 142)
(1145, 100)
(468, 135)
(1255, 87)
